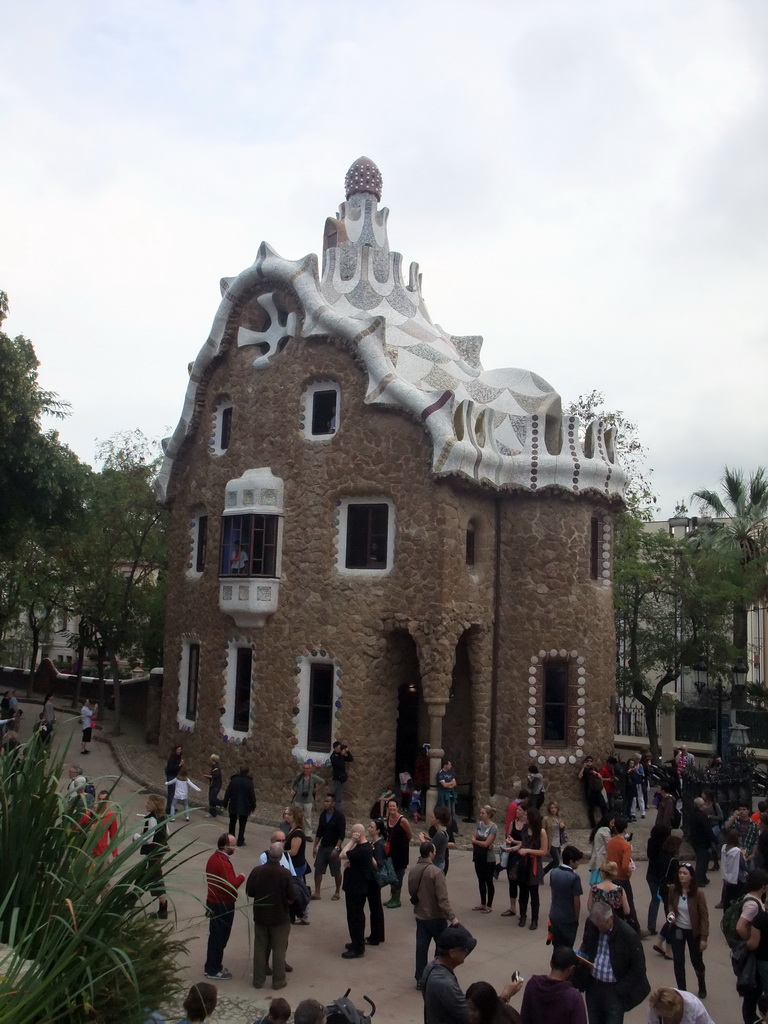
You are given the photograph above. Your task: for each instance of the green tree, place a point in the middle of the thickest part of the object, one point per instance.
(743, 507)
(672, 602)
(631, 453)
(41, 480)
(118, 559)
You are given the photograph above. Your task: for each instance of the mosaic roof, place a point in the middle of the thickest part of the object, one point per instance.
(501, 427)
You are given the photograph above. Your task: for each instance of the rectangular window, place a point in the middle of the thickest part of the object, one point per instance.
(324, 412)
(555, 702)
(319, 729)
(226, 427)
(249, 545)
(241, 720)
(470, 546)
(202, 540)
(367, 527)
(193, 681)
(594, 548)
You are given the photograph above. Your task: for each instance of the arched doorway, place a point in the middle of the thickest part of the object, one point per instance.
(457, 725)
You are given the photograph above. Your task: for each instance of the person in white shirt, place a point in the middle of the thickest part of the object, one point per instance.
(86, 724)
(279, 837)
(673, 1006)
(182, 784)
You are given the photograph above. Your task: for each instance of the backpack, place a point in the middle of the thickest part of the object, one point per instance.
(89, 793)
(730, 919)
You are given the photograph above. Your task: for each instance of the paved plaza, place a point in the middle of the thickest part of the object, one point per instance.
(385, 974)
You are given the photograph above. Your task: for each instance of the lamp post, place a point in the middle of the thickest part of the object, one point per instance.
(719, 690)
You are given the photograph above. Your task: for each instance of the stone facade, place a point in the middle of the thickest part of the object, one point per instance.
(482, 620)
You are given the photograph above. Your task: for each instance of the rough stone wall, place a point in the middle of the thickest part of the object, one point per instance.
(430, 593)
(375, 628)
(552, 607)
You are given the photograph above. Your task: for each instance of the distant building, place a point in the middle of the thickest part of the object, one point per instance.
(373, 538)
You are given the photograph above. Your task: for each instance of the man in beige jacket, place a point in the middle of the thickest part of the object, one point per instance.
(429, 895)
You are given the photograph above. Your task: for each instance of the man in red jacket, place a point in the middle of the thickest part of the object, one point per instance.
(220, 905)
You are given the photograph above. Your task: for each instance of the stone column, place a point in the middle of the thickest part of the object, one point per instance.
(436, 709)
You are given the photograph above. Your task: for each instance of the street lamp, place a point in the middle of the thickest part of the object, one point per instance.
(718, 690)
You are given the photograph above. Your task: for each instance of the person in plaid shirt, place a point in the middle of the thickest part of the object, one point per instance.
(616, 980)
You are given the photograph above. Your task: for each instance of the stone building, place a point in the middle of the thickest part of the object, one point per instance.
(375, 539)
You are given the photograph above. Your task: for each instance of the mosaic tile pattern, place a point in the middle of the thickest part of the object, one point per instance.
(412, 362)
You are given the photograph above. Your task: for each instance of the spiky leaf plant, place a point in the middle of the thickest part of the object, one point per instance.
(80, 945)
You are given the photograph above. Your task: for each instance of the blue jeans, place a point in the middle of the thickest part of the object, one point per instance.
(425, 932)
(219, 929)
(603, 1003)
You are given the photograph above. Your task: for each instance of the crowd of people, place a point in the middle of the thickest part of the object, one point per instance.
(596, 977)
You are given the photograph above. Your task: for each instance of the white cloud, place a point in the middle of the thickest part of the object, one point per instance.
(583, 184)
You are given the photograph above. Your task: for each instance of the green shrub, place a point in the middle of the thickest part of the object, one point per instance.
(82, 946)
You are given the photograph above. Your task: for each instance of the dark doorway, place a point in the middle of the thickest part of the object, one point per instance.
(407, 741)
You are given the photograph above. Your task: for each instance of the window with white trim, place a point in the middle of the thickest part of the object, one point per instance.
(320, 409)
(223, 414)
(315, 709)
(189, 681)
(238, 694)
(320, 709)
(366, 542)
(249, 545)
(555, 694)
(198, 542)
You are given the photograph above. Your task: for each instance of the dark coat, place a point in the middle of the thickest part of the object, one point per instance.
(359, 871)
(699, 829)
(627, 962)
(240, 797)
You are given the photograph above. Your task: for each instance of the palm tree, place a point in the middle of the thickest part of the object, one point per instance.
(743, 509)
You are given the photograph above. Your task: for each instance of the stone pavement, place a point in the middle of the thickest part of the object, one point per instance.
(385, 974)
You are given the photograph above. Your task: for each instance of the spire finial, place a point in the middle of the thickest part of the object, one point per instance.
(363, 176)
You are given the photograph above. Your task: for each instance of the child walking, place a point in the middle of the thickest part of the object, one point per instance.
(182, 782)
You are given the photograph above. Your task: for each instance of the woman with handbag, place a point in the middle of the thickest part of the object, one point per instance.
(399, 839)
(512, 846)
(295, 845)
(670, 850)
(688, 921)
(484, 857)
(557, 834)
(531, 870)
(377, 836)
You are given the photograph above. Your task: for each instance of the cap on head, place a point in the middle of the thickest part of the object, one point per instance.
(456, 937)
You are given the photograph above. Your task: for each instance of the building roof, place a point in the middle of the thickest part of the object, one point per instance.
(503, 428)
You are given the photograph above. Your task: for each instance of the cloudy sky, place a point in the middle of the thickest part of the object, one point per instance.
(583, 183)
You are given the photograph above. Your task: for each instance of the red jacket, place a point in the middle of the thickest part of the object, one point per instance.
(222, 881)
(109, 826)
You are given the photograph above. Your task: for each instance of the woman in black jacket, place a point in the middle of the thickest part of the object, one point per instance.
(658, 862)
(174, 762)
(240, 800)
(358, 854)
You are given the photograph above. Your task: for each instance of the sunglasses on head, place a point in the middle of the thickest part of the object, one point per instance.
(685, 864)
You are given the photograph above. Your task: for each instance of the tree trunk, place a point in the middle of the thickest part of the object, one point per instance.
(653, 732)
(116, 691)
(79, 676)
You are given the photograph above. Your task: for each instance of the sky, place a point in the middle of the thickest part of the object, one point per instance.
(584, 183)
